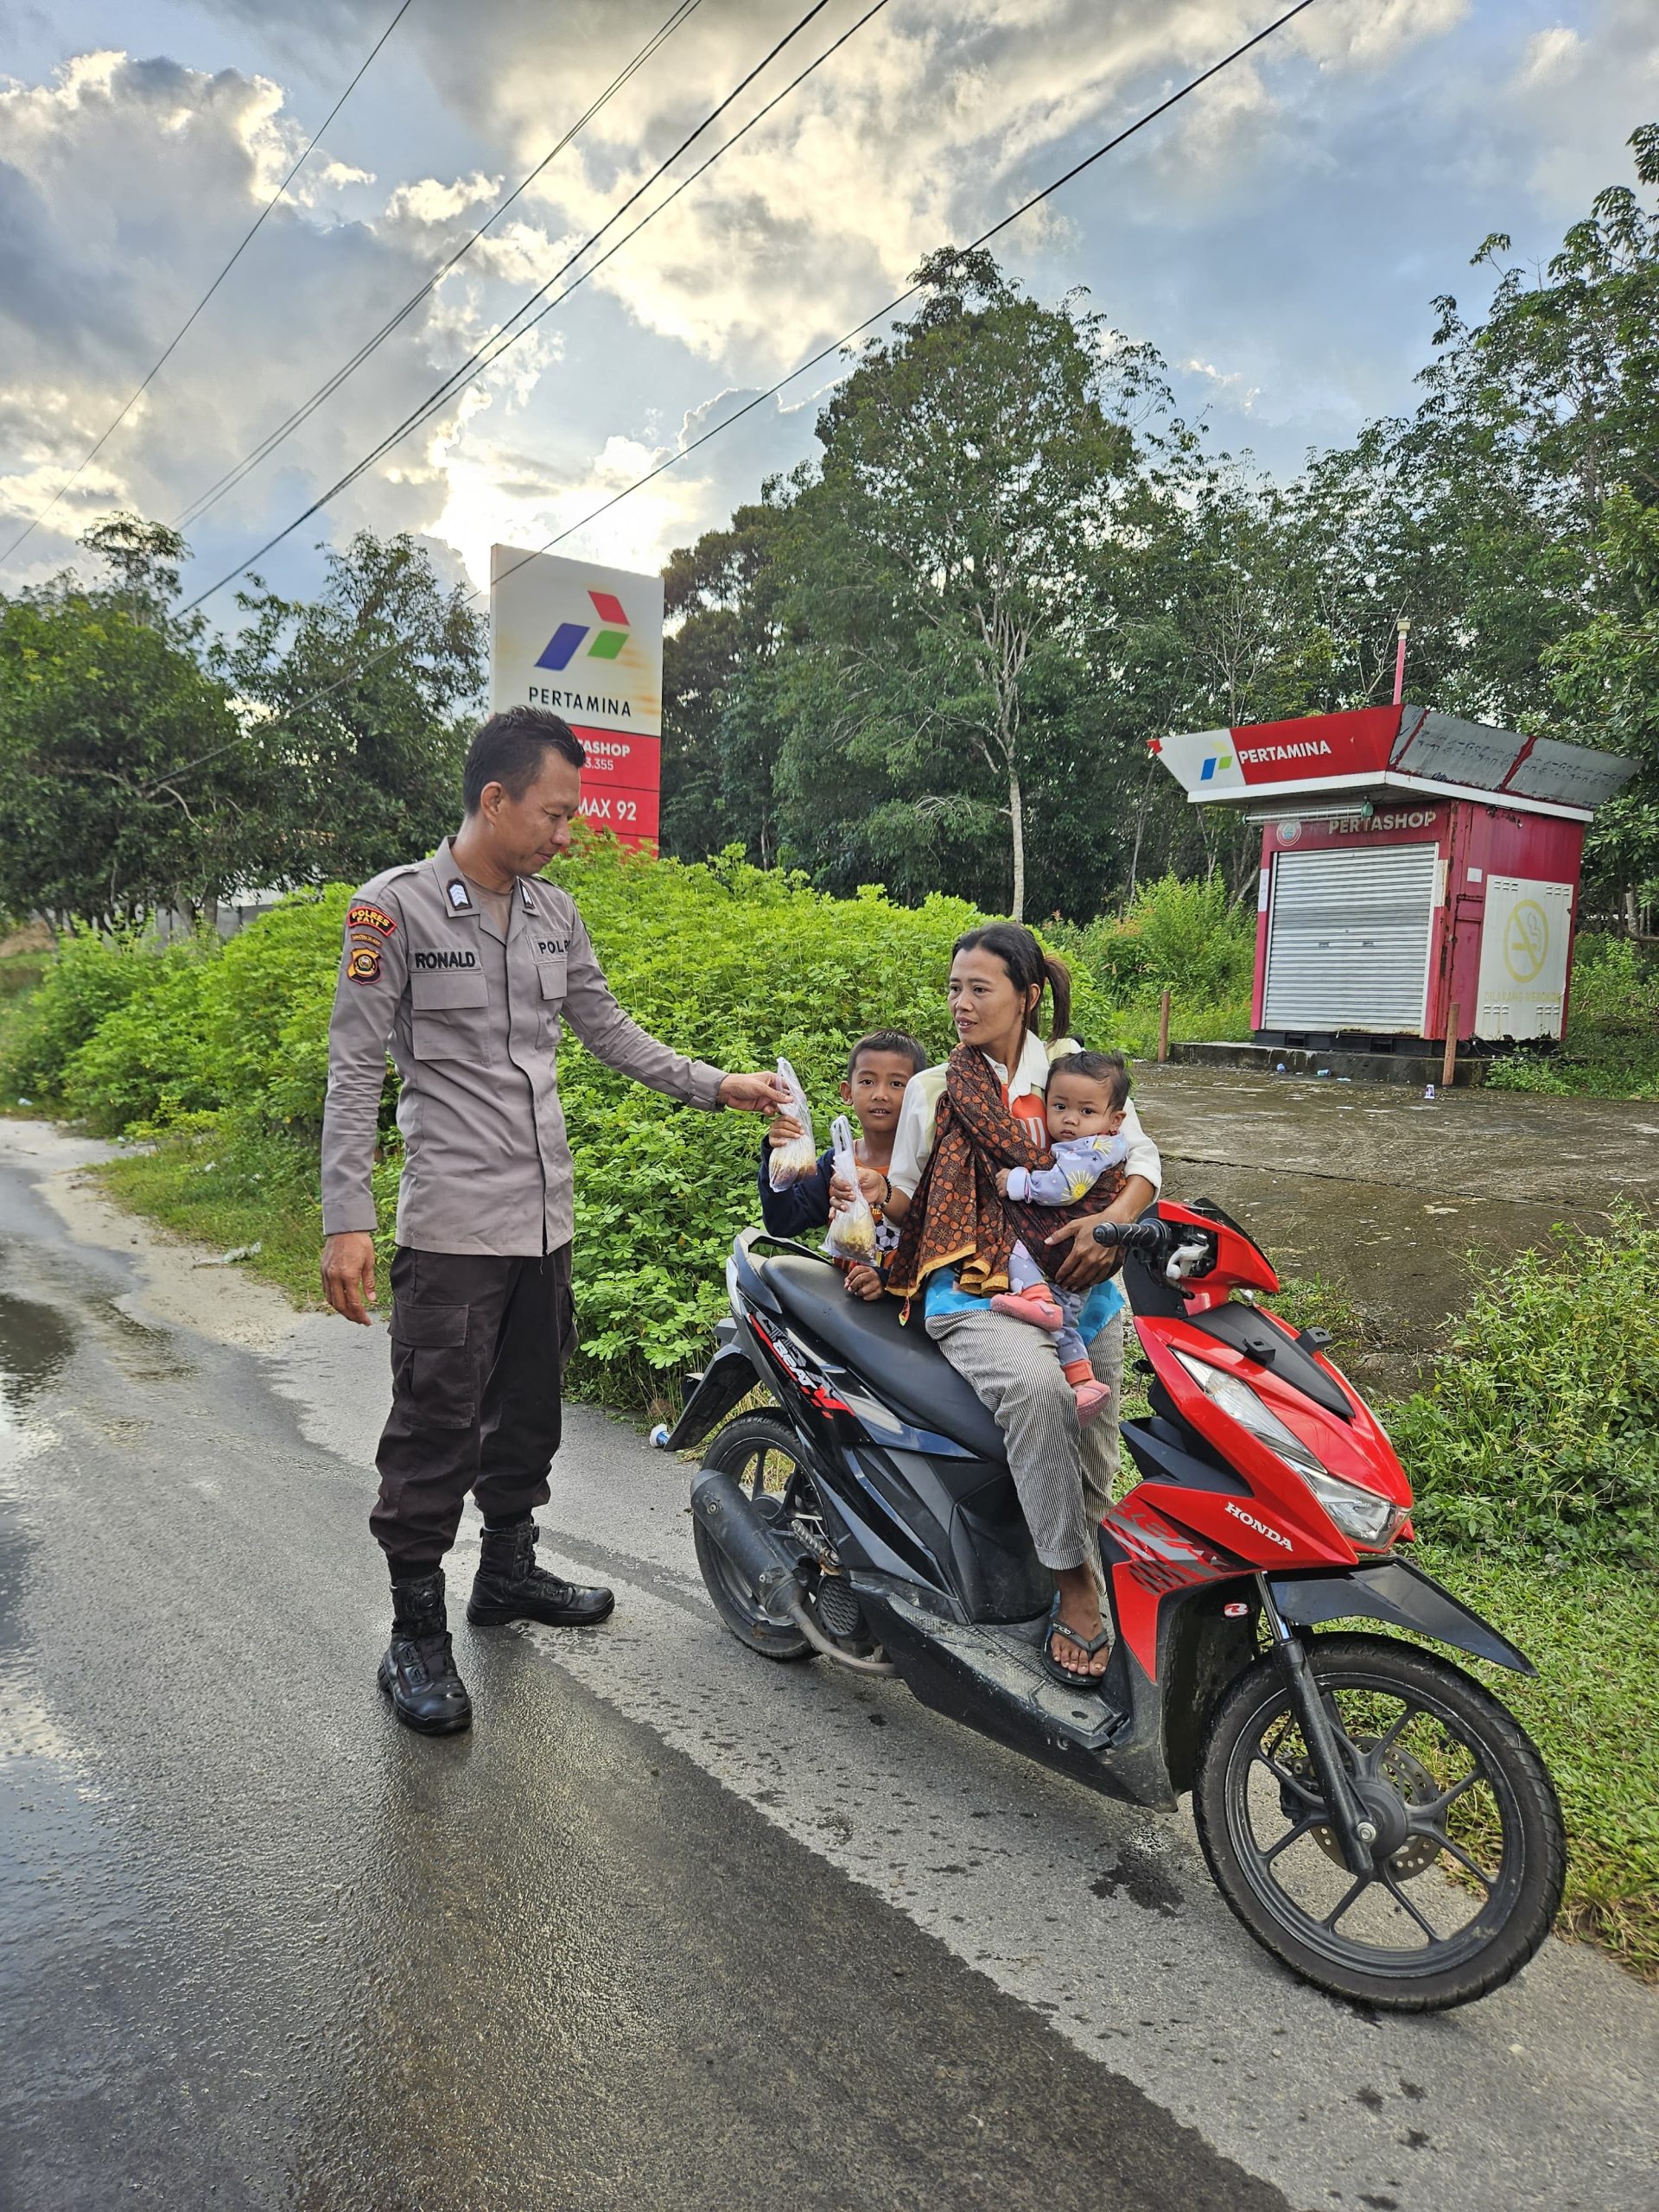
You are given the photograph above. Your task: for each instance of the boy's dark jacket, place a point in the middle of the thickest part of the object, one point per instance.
(804, 1205)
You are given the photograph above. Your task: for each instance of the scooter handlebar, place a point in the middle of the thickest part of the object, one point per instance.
(1166, 1248)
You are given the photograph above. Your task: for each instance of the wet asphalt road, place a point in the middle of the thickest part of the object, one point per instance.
(671, 1927)
(262, 1948)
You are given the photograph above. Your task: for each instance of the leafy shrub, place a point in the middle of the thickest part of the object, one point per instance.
(1187, 938)
(265, 1009)
(145, 1061)
(1536, 1072)
(1540, 1433)
(1183, 936)
(1615, 986)
(87, 979)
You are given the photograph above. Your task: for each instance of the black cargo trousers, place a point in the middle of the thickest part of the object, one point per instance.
(479, 1349)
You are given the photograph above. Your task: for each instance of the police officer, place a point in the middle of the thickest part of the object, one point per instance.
(469, 966)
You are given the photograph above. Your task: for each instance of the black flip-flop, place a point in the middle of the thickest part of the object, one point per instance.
(1089, 1645)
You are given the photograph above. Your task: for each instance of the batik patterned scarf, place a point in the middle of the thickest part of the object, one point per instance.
(957, 1217)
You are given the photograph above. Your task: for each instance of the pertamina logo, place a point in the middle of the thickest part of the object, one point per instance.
(1217, 760)
(609, 637)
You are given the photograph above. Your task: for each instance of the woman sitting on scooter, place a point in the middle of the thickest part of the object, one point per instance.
(1064, 1473)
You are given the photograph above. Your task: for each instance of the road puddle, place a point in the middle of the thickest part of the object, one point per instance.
(36, 1340)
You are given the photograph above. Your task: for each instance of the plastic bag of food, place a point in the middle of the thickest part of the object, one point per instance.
(852, 1234)
(791, 1162)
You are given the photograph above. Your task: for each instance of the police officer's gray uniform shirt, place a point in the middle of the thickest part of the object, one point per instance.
(474, 1021)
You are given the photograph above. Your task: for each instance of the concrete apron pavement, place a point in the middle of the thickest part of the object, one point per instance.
(1385, 1193)
(659, 1867)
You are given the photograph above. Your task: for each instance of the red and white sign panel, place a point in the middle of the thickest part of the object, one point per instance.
(1217, 763)
(1406, 748)
(588, 642)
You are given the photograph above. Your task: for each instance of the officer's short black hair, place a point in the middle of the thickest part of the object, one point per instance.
(511, 750)
(1109, 1068)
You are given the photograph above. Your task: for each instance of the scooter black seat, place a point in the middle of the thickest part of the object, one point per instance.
(901, 1364)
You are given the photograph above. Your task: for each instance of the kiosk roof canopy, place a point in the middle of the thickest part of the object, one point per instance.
(1341, 757)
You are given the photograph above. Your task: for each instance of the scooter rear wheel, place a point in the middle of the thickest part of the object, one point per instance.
(759, 1452)
(1470, 1857)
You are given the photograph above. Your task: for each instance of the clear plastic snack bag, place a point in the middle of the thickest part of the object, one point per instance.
(793, 1161)
(852, 1234)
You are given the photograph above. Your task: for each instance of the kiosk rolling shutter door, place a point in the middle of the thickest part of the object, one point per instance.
(1348, 938)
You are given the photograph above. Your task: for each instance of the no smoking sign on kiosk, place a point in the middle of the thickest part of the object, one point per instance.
(588, 642)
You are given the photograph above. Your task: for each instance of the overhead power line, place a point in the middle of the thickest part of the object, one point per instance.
(505, 336)
(997, 229)
(247, 241)
(285, 429)
(824, 353)
(458, 376)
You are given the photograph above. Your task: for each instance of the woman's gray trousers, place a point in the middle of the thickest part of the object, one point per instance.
(1064, 1474)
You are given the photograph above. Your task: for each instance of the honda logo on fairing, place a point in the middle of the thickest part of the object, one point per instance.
(1260, 1527)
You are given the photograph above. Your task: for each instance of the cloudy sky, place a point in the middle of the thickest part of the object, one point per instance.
(1279, 237)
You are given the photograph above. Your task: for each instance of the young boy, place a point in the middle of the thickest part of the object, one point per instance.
(1087, 1093)
(878, 1068)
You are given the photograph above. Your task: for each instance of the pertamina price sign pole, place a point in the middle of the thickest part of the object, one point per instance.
(588, 642)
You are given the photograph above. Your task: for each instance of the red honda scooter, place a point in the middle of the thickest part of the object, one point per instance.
(1372, 1814)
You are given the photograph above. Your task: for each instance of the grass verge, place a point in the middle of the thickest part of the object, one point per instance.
(228, 1186)
(1592, 1630)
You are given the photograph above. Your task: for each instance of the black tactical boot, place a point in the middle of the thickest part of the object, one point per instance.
(418, 1672)
(510, 1587)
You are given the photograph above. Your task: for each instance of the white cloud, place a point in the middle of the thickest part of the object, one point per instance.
(1279, 234)
(123, 187)
(1551, 53)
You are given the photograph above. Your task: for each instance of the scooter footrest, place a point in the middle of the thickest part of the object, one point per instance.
(1007, 1662)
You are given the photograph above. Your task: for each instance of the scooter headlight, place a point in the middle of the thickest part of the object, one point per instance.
(1360, 1514)
(1235, 1397)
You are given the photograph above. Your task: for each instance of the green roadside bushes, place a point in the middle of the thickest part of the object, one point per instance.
(727, 962)
(123, 1033)
(1186, 937)
(1539, 1438)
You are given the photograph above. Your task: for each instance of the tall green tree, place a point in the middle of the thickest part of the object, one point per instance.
(369, 694)
(102, 699)
(721, 732)
(940, 562)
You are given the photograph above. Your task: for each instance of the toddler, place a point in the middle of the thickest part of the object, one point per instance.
(1087, 1093)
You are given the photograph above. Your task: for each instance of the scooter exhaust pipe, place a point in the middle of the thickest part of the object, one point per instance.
(730, 1518)
(768, 1567)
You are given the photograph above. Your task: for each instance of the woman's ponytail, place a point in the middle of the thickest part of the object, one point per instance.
(1059, 993)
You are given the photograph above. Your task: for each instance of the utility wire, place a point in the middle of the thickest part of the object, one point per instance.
(459, 376)
(1076, 169)
(215, 492)
(881, 313)
(247, 241)
(495, 347)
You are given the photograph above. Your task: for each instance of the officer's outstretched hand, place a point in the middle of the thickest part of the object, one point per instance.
(348, 1274)
(753, 1094)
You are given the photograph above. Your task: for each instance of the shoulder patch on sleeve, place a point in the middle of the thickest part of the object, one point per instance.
(362, 963)
(365, 914)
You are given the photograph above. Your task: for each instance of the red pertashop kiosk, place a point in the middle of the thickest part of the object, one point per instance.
(1412, 863)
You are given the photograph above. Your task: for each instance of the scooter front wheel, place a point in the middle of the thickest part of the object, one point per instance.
(1470, 1852)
